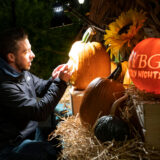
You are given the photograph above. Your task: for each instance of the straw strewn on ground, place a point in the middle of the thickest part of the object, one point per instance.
(79, 143)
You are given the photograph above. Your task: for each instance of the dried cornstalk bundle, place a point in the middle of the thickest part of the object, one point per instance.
(79, 143)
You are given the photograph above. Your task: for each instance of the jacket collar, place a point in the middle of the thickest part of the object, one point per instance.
(8, 70)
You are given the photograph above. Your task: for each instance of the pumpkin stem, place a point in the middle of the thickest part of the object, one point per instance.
(88, 35)
(115, 74)
(117, 103)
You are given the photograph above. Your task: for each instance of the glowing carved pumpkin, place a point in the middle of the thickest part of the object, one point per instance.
(144, 65)
(89, 60)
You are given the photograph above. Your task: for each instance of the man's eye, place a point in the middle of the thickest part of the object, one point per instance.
(27, 51)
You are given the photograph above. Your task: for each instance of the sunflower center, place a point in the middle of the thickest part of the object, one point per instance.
(124, 29)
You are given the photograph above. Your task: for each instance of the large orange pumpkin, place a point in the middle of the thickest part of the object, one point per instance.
(89, 60)
(98, 98)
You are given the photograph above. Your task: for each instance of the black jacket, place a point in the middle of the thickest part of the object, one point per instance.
(19, 109)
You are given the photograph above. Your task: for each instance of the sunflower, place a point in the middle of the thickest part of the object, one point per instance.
(124, 33)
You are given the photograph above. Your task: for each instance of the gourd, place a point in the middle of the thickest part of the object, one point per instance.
(99, 97)
(111, 127)
(88, 60)
(123, 72)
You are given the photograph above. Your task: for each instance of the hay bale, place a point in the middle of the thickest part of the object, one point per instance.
(80, 143)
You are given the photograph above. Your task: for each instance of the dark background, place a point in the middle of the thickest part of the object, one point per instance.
(51, 46)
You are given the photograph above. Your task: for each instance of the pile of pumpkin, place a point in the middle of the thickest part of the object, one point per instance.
(104, 83)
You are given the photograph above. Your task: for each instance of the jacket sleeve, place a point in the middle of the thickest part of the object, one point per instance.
(41, 86)
(25, 107)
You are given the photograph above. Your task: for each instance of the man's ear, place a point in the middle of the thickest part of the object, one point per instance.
(11, 57)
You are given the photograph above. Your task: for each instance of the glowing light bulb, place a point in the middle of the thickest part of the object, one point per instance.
(81, 1)
(58, 9)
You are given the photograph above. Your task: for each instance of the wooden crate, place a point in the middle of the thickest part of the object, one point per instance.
(76, 98)
(149, 117)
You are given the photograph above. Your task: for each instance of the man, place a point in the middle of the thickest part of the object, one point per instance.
(20, 111)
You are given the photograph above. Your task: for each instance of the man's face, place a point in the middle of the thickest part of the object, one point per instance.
(24, 56)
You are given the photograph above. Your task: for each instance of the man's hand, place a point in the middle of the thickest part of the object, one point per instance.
(63, 72)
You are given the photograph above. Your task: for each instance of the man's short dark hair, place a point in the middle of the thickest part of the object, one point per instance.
(9, 39)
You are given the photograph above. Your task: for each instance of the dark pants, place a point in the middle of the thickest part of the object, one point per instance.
(37, 148)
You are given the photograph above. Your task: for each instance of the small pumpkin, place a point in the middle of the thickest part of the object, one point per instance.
(111, 127)
(89, 60)
(98, 99)
(124, 69)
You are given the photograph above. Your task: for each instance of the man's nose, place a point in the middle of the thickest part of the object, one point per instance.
(32, 54)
